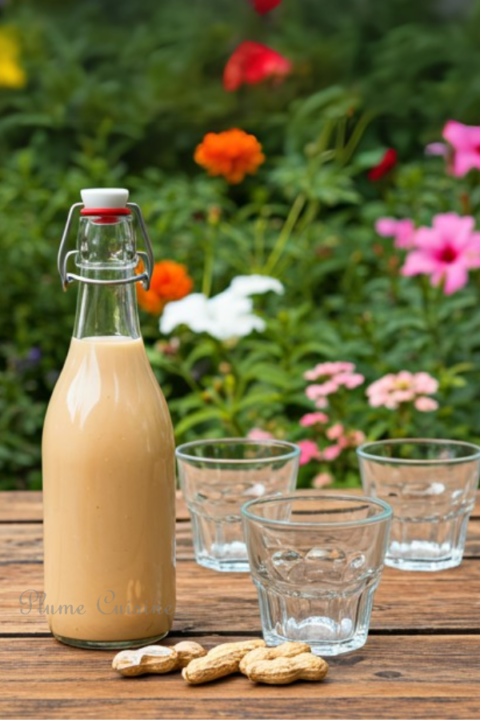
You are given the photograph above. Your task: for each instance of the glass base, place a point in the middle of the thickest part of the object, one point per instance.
(410, 564)
(421, 555)
(324, 649)
(223, 565)
(332, 624)
(109, 645)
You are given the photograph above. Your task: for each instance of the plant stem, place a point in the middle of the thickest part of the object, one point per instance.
(431, 318)
(209, 258)
(285, 233)
(355, 137)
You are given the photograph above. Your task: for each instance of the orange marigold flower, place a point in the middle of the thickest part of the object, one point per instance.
(232, 153)
(170, 281)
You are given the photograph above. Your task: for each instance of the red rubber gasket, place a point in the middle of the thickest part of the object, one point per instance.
(105, 211)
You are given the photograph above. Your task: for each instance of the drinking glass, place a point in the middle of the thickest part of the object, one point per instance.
(217, 477)
(431, 486)
(316, 560)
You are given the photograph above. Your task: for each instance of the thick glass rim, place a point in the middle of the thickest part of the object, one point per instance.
(292, 451)
(364, 451)
(385, 514)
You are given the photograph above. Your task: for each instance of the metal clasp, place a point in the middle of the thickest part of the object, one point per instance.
(64, 255)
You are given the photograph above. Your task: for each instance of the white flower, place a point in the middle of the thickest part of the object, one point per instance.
(225, 316)
(246, 285)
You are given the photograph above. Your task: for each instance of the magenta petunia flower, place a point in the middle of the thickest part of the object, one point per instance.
(331, 452)
(402, 230)
(313, 419)
(446, 251)
(465, 141)
(308, 451)
(335, 432)
(436, 148)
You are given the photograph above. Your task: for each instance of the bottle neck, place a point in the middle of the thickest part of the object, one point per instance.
(106, 310)
(106, 251)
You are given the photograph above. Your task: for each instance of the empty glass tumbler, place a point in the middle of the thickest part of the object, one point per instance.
(217, 477)
(316, 560)
(431, 486)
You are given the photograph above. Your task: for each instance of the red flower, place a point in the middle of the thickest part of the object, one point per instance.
(388, 162)
(251, 63)
(264, 6)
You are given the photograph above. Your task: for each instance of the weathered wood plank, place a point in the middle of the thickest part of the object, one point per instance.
(394, 677)
(253, 708)
(227, 602)
(24, 506)
(21, 506)
(23, 542)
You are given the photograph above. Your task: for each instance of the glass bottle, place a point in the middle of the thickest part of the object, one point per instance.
(108, 451)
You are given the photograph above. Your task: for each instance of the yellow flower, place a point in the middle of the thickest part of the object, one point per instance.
(12, 75)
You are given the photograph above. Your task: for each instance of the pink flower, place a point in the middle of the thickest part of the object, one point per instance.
(313, 418)
(331, 452)
(357, 437)
(425, 384)
(308, 451)
(328, 369)
(350, 380)
(258, 434)
(446, 251)
(392, 390)
(426, 404)
(436, 148)
(335, 432)
(313, 392)
(402, 230)
(322, 480)
(401, 396)
(321, 403)
(465, 141)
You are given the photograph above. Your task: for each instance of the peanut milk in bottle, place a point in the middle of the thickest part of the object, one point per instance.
(108, 450)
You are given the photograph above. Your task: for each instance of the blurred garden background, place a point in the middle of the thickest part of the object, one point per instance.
(313, 163)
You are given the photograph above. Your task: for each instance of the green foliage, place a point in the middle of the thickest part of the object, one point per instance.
(121, 94)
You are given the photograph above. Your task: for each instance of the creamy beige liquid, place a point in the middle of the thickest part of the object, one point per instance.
(109, 495)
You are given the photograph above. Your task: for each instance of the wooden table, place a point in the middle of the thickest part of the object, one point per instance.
(422, 659)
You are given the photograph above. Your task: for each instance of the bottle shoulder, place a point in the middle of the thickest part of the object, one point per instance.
(104, 381)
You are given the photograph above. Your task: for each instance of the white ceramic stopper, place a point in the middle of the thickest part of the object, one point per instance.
(104, 197)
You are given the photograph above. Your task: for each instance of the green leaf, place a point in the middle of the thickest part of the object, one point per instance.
(198, 418)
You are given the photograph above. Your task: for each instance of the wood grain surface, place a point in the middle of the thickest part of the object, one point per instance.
(390, 677)
(421, 659)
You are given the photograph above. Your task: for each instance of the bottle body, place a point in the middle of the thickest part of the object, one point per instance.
(109, 494)
(108, 454)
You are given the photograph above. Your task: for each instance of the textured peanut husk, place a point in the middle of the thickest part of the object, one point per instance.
(132, 663)
(286, 649)
(188, 651)
(219, 662)
(286, 670)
